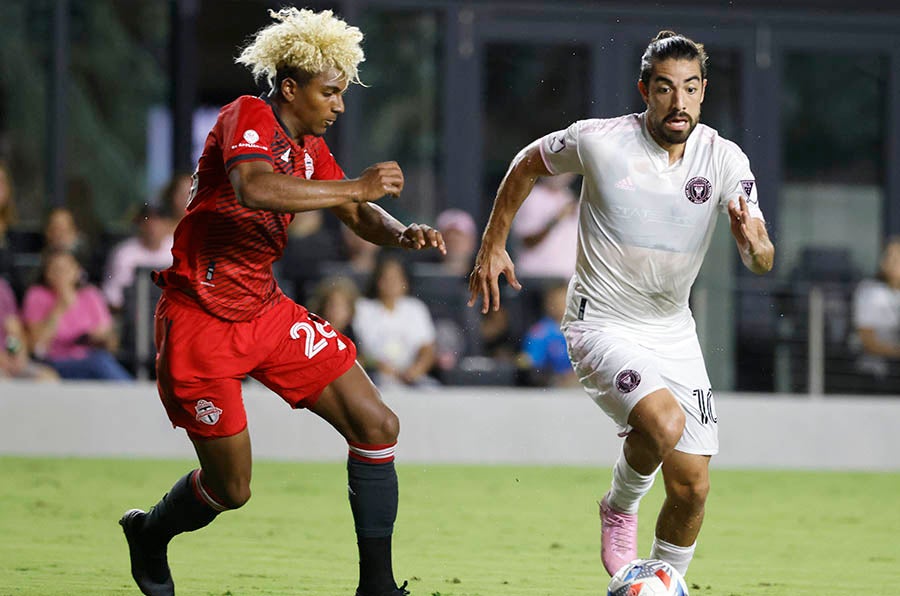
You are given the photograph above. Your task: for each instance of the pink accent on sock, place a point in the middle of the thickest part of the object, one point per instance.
(372, 454)
(203, 493)
(618, 537)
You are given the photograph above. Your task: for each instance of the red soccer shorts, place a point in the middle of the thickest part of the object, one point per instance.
(202, 359)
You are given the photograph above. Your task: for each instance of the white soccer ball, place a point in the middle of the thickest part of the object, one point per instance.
(647, 577)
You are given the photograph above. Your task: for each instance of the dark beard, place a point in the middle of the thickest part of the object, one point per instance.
(661, 133)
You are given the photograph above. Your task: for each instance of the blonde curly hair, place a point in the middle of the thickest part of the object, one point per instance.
(306, 41)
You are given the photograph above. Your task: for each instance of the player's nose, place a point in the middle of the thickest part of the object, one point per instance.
(338, 107)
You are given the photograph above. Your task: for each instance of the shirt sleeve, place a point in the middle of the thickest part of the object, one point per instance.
(37, 304)
(424, 324)
(246, 132)
(119, 275)
(871, 306)
(326, 166)
(559, 150)
(95, 308)
(738, 181)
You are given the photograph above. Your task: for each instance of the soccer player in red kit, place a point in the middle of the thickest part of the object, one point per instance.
(222, 316)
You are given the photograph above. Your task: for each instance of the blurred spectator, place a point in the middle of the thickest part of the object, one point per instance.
(150, 246)
(174, 197)
(498, 335)
(544, 351)
(80, 202)
(61, 233)
(69, 325)
(461, 239)
(334, 299)
(7, 218)
(15, 361)
(876, 317)
(546, 228)
(360, 254)
(395, 331)
(310, 243)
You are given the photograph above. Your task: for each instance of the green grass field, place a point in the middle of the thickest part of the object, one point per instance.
(462, 531)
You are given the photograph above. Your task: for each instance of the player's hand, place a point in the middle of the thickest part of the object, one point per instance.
(385, 178)
(745, 234)
(484, 279)
(419, 236)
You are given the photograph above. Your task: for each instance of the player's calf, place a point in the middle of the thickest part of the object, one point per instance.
(372, 486)
(188, 506)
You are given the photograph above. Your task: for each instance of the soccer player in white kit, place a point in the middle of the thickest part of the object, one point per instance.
(653, 185)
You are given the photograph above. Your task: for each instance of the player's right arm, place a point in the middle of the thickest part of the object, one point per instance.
(492, 258)
(258, 186)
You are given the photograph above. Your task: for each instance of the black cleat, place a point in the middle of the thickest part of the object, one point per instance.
(149, 566)
(401, 591)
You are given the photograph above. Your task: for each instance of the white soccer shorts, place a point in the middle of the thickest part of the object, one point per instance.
(617, 372)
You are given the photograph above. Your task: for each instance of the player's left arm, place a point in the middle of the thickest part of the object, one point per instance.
(371, 222)
(756, 250)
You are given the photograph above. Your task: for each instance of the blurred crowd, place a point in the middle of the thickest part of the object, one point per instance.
(71, 294)
(70, 297)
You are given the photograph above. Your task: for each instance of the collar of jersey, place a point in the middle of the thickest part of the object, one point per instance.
(284, 128)
(658, 152)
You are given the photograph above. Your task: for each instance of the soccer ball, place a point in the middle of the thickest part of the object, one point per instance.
(647, 577)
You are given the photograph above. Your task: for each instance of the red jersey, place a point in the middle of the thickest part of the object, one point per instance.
(223, 252)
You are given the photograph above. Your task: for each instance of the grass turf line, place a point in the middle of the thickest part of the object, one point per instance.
(462, 531)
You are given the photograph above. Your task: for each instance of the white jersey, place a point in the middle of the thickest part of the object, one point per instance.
(644, 225)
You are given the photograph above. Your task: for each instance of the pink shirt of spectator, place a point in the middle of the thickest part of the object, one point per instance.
(88, 313)
(555, 255)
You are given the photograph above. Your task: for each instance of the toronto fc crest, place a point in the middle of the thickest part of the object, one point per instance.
(698, 190)
(207, 412)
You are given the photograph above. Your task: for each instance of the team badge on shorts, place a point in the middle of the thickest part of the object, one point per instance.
(698, 190)
(628, 380)
(207, 412)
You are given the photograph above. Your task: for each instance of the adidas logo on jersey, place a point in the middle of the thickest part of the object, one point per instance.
(286, 155)
(625, 183)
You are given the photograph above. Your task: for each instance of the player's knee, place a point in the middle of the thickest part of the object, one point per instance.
(383, 429)
(669, 431)
(235, 494)
(692, 493)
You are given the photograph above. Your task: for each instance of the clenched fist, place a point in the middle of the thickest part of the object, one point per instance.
(376, 181)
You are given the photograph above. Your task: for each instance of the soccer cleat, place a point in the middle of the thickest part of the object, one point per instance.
(401, 591)
(149, 566)
(618, 538)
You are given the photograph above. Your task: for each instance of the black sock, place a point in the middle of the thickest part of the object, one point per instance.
(178, 511)
(373, 500)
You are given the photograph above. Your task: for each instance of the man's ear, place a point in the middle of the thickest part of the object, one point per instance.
(288, 89)
(643, 89)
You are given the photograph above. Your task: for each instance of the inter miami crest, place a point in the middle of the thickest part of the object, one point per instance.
(207, 412)
(628, 380)
(698, 190)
